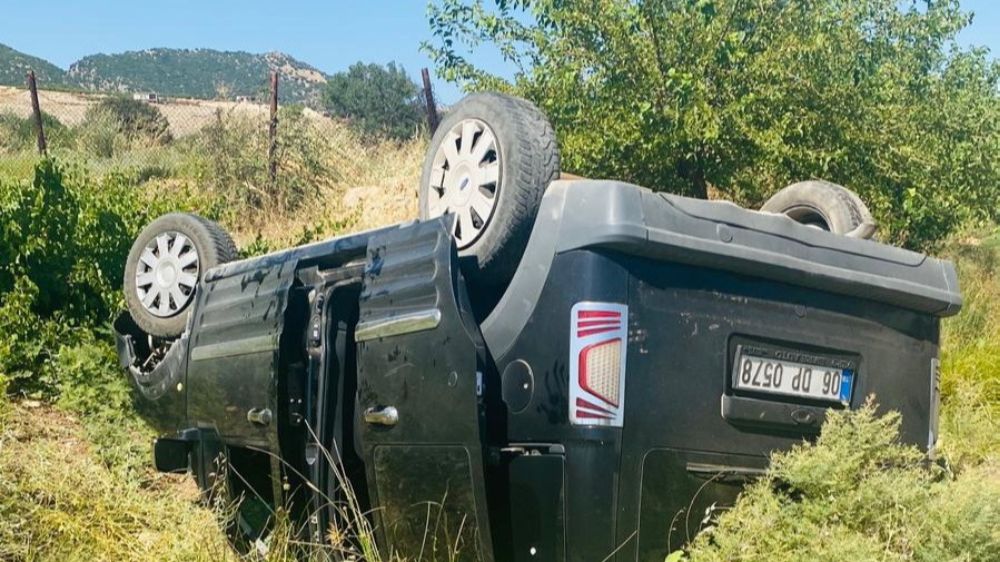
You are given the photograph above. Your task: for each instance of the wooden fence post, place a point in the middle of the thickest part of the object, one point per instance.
(272, 133)
(432, 114)
(37, 112)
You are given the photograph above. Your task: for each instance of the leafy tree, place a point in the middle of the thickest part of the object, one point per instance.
(377, 99)
(748, 96)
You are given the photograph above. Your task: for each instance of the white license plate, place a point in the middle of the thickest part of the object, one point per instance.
(793, 378)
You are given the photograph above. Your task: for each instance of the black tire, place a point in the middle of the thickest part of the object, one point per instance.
(528, 157)
(824, 205)
(212, 245)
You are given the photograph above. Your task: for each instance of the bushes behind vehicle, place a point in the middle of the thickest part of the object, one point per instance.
(63, 239)
(377, 101)
(19, 133)
(231, 155)
(132, 122)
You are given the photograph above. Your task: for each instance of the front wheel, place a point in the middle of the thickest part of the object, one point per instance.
(167, 261)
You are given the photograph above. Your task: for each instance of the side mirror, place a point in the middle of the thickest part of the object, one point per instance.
(171, 455)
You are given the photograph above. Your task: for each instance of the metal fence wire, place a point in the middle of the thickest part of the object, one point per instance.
(253, 151)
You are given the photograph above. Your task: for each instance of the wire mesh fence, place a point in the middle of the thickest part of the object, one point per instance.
(249, 152)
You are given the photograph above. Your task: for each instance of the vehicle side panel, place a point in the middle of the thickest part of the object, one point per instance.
(233, 357)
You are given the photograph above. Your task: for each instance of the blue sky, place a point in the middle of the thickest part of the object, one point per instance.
(329, 35)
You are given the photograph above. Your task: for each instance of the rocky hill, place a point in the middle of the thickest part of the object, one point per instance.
(198, 73)
(194, 73)
(14, 65)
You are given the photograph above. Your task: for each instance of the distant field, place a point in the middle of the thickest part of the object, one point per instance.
(186, 116)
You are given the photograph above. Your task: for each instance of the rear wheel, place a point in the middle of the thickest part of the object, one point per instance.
(824, 205)
(488, 165)
(167, 261)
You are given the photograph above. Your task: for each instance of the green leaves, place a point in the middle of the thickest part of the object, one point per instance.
(63, 243)
(377, 100)
(858, 494)
(747, 97)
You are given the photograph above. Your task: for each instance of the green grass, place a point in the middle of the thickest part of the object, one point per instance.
(970, 369)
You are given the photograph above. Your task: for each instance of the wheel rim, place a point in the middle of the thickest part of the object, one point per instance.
(167, 274)
(465, 179)
(810, 217)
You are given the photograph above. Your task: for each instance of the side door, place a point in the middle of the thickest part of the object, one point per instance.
(233, 355)
(419, 398)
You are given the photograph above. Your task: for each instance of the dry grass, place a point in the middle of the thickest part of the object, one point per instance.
(58, 501)
(346, 182)
(372, 185)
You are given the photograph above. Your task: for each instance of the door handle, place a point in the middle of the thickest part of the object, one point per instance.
(384, 415)
(259, 416)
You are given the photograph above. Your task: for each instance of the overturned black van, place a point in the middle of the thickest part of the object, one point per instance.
(538, 368)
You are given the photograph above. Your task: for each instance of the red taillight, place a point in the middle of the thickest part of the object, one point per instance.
(600, 369)
(597, 363)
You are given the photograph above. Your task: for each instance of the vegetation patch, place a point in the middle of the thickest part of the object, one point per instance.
(61, 500)
(20, 133)
(378, 101)
(132, 122)
(857, 494)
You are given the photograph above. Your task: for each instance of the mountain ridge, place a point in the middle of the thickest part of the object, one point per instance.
(196, 73)
(14, 67)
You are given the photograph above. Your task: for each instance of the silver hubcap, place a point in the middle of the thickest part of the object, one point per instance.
(465, 179)
(167, 274)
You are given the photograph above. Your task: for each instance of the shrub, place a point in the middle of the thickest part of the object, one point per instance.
(233, 151)
(377, 100)
(19, 133)
(89, 381)
(116, 123)
(63, 244)
(98, 135)
(857, 494)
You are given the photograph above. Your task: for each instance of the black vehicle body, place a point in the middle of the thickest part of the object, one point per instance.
(373, 346)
